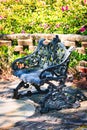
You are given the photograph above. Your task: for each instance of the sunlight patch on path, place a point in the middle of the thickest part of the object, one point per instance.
(12, 111)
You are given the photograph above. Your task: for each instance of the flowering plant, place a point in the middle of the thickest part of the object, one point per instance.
(43, 16)
(83, 30)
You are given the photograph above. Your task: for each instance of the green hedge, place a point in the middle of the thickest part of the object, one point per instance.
(43, 16)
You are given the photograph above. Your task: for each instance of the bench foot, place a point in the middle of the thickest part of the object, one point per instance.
(15, 91)
(28, 94)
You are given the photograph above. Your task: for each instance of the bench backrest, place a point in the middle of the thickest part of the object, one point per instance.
(50, 54)
(44, 56)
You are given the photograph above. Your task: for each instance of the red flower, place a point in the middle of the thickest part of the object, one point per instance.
(65, 8)
(82, 29)
(85, 1)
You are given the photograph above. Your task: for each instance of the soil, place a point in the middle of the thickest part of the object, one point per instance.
(82, 83)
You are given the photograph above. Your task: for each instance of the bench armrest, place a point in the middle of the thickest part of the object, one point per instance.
(25, 62)
(31, 60)
(59, 68)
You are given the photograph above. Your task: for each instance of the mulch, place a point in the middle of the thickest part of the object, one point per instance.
(82, 83)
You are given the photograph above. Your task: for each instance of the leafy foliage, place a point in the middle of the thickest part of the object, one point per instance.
(43, 16)
(8, 55)
(76, 58)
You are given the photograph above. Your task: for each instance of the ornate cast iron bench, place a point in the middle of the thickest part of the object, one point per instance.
(49, 62)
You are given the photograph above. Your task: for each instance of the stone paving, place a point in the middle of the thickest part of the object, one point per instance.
(24, 114)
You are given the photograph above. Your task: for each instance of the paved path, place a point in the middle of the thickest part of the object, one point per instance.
(23, 115)
(12, 110)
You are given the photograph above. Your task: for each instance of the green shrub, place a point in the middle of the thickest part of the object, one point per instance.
(76, 58)
(43, 16)
(7, 56)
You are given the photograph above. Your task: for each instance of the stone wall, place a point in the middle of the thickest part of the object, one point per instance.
(29, 40)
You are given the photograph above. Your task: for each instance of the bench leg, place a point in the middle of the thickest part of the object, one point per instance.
(15, 93)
